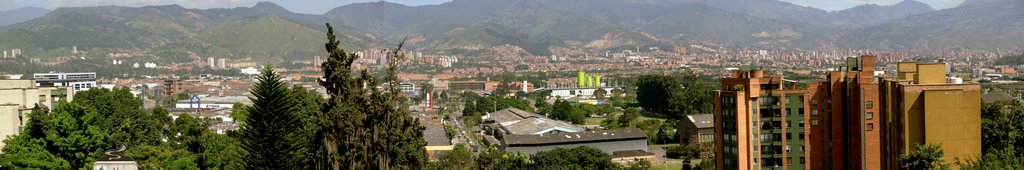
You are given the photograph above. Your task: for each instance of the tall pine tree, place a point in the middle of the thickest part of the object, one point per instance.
(269, 132)
(362, 127)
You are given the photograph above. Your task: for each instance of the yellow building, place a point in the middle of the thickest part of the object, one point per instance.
(18, 97)
(920, 107)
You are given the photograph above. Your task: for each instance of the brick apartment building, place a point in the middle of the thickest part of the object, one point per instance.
(855, 118)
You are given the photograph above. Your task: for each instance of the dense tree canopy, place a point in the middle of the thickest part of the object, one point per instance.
(674, 97)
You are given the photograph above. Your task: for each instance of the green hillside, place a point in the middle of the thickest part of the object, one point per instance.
(264, 36)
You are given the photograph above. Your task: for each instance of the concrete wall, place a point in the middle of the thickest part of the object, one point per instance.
(607, 147)
(9, 122)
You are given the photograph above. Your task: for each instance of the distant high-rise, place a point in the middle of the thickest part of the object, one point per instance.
(74, 49)
(212, 62)
(223, 63)
(5, 53)
(15, 53)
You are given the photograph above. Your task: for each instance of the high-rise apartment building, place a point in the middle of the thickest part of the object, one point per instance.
(920, 106)
(844, 117)
(855, 118)
(760, 122)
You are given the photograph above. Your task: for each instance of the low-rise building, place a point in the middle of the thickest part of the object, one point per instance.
(631, 156)
(697, 128)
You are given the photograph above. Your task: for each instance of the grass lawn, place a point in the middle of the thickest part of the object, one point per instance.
(667, 165)
(643, 117)
(594, 121)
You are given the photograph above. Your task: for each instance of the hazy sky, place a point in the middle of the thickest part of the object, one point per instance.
(321, 6)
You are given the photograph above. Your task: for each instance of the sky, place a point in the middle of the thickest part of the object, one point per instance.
(322, 6)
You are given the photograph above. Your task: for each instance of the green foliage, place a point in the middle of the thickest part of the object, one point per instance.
(684, 152)
(23, 152)
(928, 156)
(1011, 60)
(120, 116)
(584, 157)
(567, 112)
(675, 97)
(628, 117)
(364, 128)
(269, 134)
(493, 157)
(458, 158)
(239, 112)
(994, 161)
(1003, 132)
(600, 93)
(643, 164)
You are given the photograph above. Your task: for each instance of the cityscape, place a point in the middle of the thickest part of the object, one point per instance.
(512, 84)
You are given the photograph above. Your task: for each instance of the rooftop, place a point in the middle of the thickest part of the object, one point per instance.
(630, 153)
(433, 131)
(520, 122)
(702, 120)
(576, 137)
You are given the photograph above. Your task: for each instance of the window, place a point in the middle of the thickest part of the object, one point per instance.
(789, 161)
(870, 104)
(870, 115)
(801, 123)
(789, 147)
(801, 160)
(814, 112)
(814, 122)
(871, 126)
(814, 102)
(789, 137)
(42, 98)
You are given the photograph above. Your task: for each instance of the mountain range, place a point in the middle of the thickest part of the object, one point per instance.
(267, 30)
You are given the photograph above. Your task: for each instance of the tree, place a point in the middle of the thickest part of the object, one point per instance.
(120, 115)
(458, 158)
(268, 133)
(28, 150)
(673, 97)
(628, 117)
(73, 137)
(1002, 131)
(567, 112)
(364, 128)
(239, 112)
(585, 157)
(600, 93)
(493, 157)
(685, 152)
(616, 94)
(928, 156)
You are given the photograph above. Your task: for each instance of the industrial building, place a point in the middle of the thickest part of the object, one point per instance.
(608, 141)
